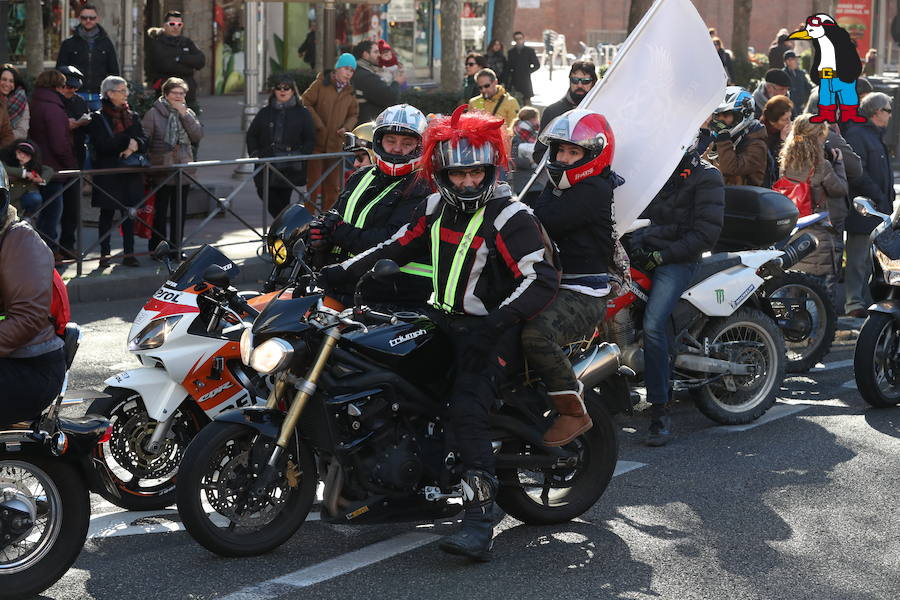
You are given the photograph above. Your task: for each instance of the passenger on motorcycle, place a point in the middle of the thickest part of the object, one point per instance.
(577, 211)
(741, 150)
(377, 201)
(359, 142)
(493, 270)
(685, 221)
(32, 365)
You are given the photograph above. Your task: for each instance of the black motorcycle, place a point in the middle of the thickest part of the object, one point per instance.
(356, 404)
(876, 363)
(44, 505)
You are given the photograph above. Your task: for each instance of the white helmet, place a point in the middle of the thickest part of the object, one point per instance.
(401, 119)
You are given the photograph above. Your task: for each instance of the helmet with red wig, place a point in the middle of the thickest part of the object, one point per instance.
(465, 140)
(401, 119)
(589, 131)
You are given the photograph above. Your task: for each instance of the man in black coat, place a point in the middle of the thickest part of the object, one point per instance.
(801, 86)
(372, 93)
(685, 221)
(90, 51)
(521, 62)
(79, 117)
(170, 54)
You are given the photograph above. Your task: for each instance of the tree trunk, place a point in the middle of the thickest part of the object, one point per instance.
(504, 15)
(740, 38)
(451, 47)
(34, 37)
(637, 11)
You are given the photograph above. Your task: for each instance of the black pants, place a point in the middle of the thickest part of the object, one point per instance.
(279, 198)
(30, 385)
(105, 224)
(69, 221)
(166, 199)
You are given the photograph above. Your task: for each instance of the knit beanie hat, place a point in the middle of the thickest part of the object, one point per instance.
(345, 60)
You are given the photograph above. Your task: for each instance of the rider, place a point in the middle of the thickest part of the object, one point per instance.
(378, 201)
(577, 212)
(32, 365)
(685, 221)
(359, 142)
(493, 270)
(741, 141)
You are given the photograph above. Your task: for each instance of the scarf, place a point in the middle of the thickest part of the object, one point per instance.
(175, 134)
(526, 132)
(339, 85)
(119, 117)
(283, 105)
(89, 36)
(16, 103)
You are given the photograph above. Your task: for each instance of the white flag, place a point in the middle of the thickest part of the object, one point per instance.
(665, 82)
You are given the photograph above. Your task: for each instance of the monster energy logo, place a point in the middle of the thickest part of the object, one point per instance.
(720, 296)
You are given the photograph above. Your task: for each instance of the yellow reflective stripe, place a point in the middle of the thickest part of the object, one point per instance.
(355, 195)
(459, 258)
(361, 219)
(420, 269)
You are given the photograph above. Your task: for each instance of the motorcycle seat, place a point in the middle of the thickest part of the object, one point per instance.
(84, 426)
(714, 263)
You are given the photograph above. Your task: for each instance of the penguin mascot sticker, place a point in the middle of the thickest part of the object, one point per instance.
(835, 67)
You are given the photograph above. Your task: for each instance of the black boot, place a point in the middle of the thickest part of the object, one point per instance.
(476, 537)
(660, 432)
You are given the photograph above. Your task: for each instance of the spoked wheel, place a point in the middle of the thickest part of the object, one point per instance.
(748, 337)
(217, 497)
(806, 316)
(877, 361)
(554, 496)
(145, 479)
(45, 517)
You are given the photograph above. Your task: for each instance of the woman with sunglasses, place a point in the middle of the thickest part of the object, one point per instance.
(170, 53)
(474, 63)
(281, 128)
(90, 51)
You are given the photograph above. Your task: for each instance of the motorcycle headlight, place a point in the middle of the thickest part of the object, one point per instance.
(246, 346)
(270, 356)
(154, 334)
(890, 267)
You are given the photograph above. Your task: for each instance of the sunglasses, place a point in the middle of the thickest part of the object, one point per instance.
(583, 80)
(283, 88)
(485, 86)
(88, 18)
(471, 64)
(887, 110)
(175, 24)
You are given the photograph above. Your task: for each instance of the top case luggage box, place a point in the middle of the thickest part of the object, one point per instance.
(755, 218)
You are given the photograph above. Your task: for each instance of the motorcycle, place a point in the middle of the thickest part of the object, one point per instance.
(876, 362)
(356, 404)
(45, 507)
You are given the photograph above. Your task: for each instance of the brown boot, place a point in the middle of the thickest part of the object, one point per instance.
(573, 419)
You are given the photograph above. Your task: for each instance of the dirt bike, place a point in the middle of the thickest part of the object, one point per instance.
(45, 508)
(356, 405)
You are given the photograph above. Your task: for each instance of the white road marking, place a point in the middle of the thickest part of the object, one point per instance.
(624, 466)
(123, 522)
(778, 411)
(849, 385)
(839, 364)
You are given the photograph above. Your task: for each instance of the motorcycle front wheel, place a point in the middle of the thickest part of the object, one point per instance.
(876, 362)
(35, 556)
(216, 498)
(748, 337)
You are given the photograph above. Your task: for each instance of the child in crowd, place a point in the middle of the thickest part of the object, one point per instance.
(26, 173)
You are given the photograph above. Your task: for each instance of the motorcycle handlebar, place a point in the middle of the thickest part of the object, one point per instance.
(798, 249)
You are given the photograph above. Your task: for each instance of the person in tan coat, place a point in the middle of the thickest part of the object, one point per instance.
(494, 99)
(741, 149)
(332, 104)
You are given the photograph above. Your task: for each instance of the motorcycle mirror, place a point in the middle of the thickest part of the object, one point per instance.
(384, 269)
(162, 250)
(216, 276)
(299, 250)
(863, 206)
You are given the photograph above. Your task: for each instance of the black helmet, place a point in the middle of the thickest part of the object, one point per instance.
(286, 229)
(74, 77)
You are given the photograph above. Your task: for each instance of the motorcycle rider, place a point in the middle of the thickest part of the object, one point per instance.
(685, 220)
(378, 200)
(32, 365)
(359, 142)
(577, 211)
(741, 149)
(493, 269)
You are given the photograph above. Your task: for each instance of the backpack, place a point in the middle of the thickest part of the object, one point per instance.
(800, 193)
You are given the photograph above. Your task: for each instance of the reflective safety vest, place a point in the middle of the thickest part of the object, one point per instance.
(445, 298)
(359, 220)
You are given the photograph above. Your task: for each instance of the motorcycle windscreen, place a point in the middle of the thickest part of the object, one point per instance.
(191, 271)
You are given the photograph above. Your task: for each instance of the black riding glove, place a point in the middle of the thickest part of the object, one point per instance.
(321, 230)
(645, 260)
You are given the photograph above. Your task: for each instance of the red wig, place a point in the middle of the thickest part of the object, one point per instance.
(477, 127)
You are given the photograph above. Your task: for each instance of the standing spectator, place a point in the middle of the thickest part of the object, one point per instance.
(391, 68)
(778, 48)
(307, 49)
(800, 84)
(875, 183)
(776, 83)
(116, 133)
(50, 130)
(169, 53)
(496, 59)
(334, 110)
(281, 128)
(92, 52)
(7, 136)
(725, 58)
(79, 117)
(170, 128)
(803, 158)
(870, 62)
(26, 173)
(777, 119)
(525, 132)
(494, 99)
(474, 63)
(372, 93)
(521, 62)
(742, 154)
(12, 89)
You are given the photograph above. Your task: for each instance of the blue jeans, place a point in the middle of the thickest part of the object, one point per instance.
(30, 202)
(669, 282)
(48, 219)
(829, 89)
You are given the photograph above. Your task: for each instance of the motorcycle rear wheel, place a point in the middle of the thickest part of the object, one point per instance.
(214, 469)
(560, 495)
(64, 509)
(876, 362)
(811, 341)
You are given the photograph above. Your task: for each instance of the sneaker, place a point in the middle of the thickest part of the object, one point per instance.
(660, 432)
(104, 261)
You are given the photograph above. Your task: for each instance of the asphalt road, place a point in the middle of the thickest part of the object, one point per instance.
(800, 505)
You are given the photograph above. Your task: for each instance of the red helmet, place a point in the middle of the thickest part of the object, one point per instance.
(589, 131)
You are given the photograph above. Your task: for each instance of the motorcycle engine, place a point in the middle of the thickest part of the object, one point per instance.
(398, 466)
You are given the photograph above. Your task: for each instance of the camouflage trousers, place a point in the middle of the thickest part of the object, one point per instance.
(570, 318)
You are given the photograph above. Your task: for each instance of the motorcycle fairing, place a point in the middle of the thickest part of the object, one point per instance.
(726, 291)
(160, 393)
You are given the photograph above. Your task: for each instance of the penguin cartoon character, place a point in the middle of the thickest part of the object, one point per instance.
(835, 67)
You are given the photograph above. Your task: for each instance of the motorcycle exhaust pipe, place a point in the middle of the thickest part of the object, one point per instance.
(597, 364)
(797, 250)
